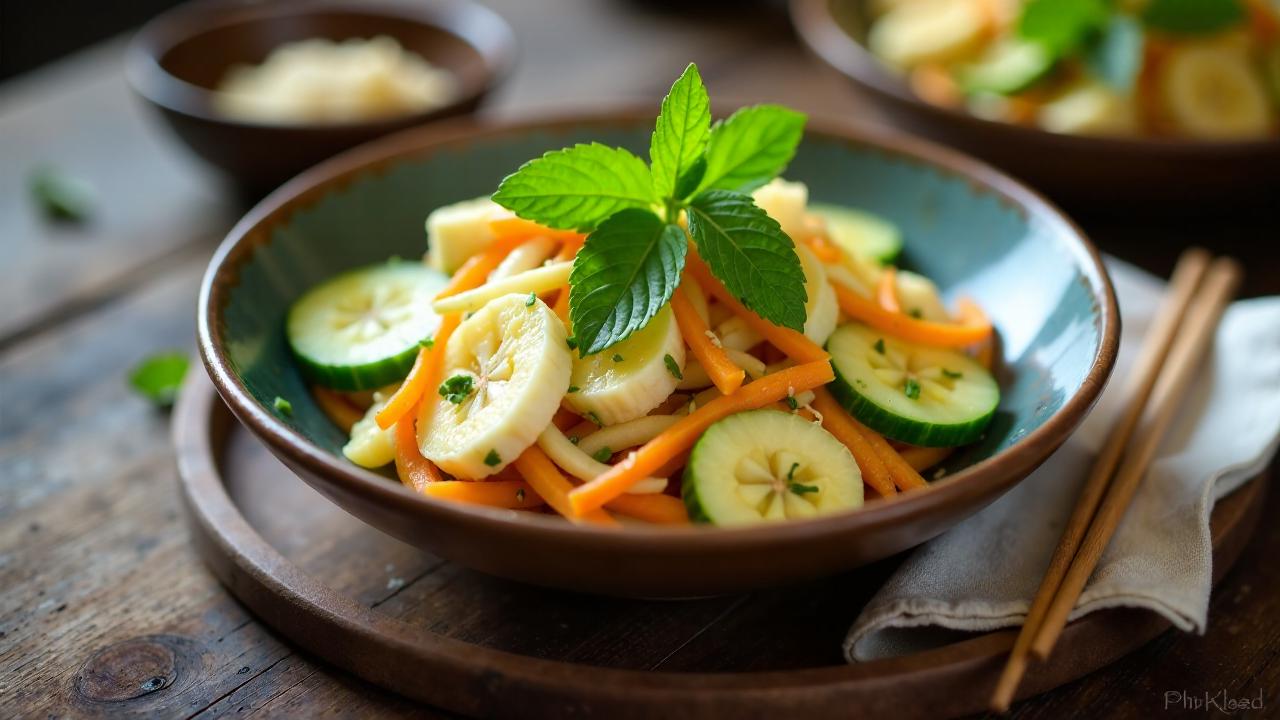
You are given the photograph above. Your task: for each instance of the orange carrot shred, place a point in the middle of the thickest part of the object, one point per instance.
(510, 494)
(656, 508)
(544, 477)
(906, 327)
(414, 470)
(838, 422)
(726, 376)
(923, 458)
(337, 407)
(887, 290)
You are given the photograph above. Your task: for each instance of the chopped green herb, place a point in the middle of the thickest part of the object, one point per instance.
(519, 494)
(533, 298)
(911, 388)
(879, 346)
(282, 406)
(572, 342)
(574, 439)
(427, 343)
(672, 367)
(457, 388)
(158, 377)
(617, 357)
(791, 472)
(799, 489)
(574, 388)
(952, 374)
(792, 403)
(61, 196)
(916, 313)
(593, 417)
(493, 458)
(602, 455)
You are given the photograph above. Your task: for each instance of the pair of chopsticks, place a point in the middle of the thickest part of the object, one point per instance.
(1182, 332)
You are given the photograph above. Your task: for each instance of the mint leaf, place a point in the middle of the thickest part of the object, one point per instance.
(1116, 55)
(752, 147)
(158, 377)
(1193, 16)
(680, 133)
(577, 188)
(622, 277)
(1062, 25)
(61, 196)
(749, 253)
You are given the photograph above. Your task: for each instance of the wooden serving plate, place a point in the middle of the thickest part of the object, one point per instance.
(454, 638)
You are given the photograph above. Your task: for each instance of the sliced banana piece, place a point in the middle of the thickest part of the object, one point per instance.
(458, 231)
(785, 202)
(929, 31)
(536, 281)
(505, 371)
(822, 310)
(370, 446)
(1212, 91)
(630, 378)
(1089, 108)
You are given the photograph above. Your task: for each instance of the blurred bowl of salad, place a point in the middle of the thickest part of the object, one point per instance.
(1107, 104)
(264, 90)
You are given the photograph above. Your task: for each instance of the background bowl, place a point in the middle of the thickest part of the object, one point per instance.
(1117, 173)
(177, 59)
(970, 228)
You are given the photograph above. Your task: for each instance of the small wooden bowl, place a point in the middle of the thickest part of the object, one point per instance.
(1099, 173)
(177, 60)
(973, 230)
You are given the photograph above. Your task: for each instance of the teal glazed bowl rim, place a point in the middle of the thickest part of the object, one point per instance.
(971, 486)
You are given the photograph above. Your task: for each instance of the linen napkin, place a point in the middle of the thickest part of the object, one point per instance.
(982, 574)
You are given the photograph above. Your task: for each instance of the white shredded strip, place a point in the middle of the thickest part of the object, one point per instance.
(626, 435)
(754, 366)
(526, 257)
(714, 340)
(736, 334)
(695, 376)
(538, 280)
(573, 460)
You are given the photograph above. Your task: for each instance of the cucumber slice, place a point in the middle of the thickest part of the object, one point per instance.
(769, 466)
(1007, 68)
(361, 330)
(860, 232)
(912, 393)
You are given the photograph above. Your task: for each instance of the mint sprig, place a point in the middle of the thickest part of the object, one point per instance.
(1193, 17)
(624, 274)
(577, 188)
(633, 258)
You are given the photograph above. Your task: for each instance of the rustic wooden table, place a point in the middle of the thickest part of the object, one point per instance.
(93, 547)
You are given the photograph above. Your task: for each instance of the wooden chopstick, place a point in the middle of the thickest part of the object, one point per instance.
(1171, 318)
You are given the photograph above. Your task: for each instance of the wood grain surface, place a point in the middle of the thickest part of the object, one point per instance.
(101, 596)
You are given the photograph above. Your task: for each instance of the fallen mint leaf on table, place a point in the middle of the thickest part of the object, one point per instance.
(159, 377)
(61, 196)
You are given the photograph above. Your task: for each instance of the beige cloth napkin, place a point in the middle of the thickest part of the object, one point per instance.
(981, 575)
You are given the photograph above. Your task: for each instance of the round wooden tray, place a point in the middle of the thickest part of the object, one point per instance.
(477, 645)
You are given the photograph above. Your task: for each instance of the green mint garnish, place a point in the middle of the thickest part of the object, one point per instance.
(916, 313)
(911, 388)
(574, 388)
(879, 346)
(282, 406)
(574, 439)
(952, 374)
(672, 367)
(572, 342)
(617, 357)
(533, 298)
(635, 253)
(792, 403)
(1062, 26)
(602, 455)
(519, 494)
(799, 489)
(791, 472)
(457, 388)
(158, 377)
(428, 343)
(1193, 17)
(61, 196)
(493, 459)
(594, 418)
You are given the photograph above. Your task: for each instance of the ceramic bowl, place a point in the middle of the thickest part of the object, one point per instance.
(1107, 174)
(972, 229)
(177, 60)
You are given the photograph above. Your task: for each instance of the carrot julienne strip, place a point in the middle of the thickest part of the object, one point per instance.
(822, 247)
(337, 408)
(645, 461)
(656, 508)
(794, 344)
(838, 422)
(906, 327)
(923, 458)
(887, 290)
(724, 374)
(545, 478)
(904, 476)
(510, 494)
(414, 470)
(521, 229)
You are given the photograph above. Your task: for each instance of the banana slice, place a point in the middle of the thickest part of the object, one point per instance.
(1089, 108)
(1212, 91)
(785, 202)
(822, 309)
(929, 31)
(370, 446)
(458, 231)
(506, 368)
(630, 378)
